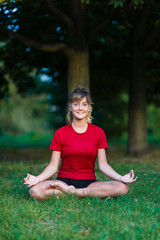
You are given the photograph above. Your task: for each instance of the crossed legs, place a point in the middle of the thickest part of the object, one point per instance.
(101, 189)
(43, 189)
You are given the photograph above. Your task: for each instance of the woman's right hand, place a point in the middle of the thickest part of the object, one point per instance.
(31, 180)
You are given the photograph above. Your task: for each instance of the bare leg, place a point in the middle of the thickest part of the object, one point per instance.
(96, 189)
(43, 189)
(59, 185)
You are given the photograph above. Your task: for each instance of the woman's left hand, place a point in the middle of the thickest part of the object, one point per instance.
(128, 178)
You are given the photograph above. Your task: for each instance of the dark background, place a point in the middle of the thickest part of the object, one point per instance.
(34, 85)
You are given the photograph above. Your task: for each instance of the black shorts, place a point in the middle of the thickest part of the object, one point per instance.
(77, 183)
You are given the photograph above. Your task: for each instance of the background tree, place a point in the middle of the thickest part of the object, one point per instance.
(73, 41)
(72, 28)
(77, 29)
(144, 30)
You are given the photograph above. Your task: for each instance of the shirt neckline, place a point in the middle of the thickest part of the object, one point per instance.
(78, 132)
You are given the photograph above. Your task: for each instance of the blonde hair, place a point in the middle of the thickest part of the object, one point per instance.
(77, 95)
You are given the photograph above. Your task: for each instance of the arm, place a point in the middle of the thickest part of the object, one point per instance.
(49, 171)
(109, 171)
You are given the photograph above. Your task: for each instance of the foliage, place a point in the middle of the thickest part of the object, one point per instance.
(29, 124)
(120, 3)
(153, 122)
(109, 58)
(19, 114)
(40, 24)
(134, 216)
(30, 139)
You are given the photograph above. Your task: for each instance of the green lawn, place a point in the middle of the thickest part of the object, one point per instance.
(134, 216)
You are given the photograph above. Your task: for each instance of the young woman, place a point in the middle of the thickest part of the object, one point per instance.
(78, 144)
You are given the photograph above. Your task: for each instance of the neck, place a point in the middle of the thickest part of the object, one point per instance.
(79, 126)
(79, 123)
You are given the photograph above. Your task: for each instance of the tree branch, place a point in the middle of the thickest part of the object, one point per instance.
(34, 44)
(102, 24)
(54, 10)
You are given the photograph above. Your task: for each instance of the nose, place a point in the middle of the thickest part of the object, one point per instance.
(80, 107)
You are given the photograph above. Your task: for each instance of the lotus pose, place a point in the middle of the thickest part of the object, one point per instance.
(78, 145)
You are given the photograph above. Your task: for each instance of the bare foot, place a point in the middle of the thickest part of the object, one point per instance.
(64, 188)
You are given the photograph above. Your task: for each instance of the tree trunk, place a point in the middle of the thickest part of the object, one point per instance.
(137, 133)
(78, 69)
(137, 139)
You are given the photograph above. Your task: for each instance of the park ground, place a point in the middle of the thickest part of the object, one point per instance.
(131, 217)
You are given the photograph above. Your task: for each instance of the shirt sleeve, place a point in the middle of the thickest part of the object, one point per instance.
(56, 143)
(102, 142)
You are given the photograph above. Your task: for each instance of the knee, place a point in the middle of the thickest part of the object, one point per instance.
(34, 192)
(122, 188)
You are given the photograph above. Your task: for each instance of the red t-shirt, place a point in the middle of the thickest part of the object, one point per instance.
(78, 150)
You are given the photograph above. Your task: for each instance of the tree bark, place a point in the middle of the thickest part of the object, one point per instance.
(77, 49)
(78, 69)
(137, 134)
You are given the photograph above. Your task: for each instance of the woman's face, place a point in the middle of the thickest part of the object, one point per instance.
(80, 109)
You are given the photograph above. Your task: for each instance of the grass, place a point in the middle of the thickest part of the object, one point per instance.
(133, 216)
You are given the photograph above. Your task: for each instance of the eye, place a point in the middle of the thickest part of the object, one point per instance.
(75, 104)
(85, 104)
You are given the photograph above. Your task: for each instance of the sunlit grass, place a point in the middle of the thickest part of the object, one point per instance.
(133, 216)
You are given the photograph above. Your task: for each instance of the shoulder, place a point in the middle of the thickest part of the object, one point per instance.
(62, 130)
(100, 136)
(96, 128)
(98, 132)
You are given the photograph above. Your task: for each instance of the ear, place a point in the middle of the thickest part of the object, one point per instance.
(70, 109)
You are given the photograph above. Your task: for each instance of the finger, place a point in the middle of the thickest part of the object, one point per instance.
(134, 179)
(132, 172)
(26, 183)
(25, 180)
(28, 175)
